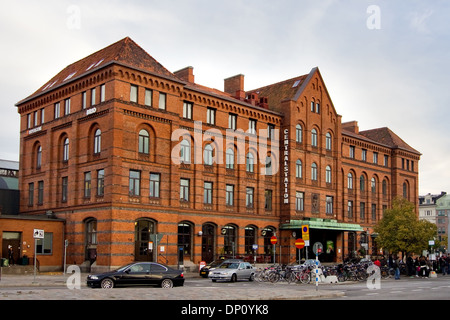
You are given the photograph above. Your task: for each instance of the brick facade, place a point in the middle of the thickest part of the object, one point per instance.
(107, 165)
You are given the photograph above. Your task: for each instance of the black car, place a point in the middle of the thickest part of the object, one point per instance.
(138, 273)
(205, 270)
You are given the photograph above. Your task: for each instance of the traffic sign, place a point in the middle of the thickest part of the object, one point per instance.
(305, 232)
(300, 243)
(273, 240)
(317, 248)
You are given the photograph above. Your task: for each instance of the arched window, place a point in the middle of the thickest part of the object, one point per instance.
(144, 142)
(229, 245)
(250, 239)
(314, 137)
(185, 238)
(373, 185)
(39, 157)
(405, 190)
(350, 180)
(298, 133)
(185, 152)
(229, 161)
(66, 150)
(384, 187)
(143, 229)
(249, 167)
(97, 141)
(314, 171)
(298, 169)
(362, 183)
(328, 174)
(328, 141)
(208, 155)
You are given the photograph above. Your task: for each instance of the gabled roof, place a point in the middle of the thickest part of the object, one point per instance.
(125, 52)
(386, 137)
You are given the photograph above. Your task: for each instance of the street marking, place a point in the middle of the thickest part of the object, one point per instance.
(396, 292)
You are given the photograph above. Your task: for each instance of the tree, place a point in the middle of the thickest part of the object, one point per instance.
(400, 230)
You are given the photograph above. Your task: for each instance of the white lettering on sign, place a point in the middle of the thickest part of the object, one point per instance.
(286, 167)
(34, 130)
(91, 111)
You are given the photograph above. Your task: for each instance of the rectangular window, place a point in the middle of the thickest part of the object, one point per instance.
(211, 116)
(31, 194)
(375, 157)
(352, 152)
(229, 195)
(232, 120)
(36, 119)
(134, 94)
(184, 189)
(162, 101)
(84, 100)
(100, 182)
(362, 211)
(57, 110)
(187, 110)
(29, 121)
(66, 107)
(299, 201)
(42, 116)
(93, 97)
(252, 126)
(87, 184)
(374, 212)
(102, 93)
(364, 155)
(386, 160)
(44, 246)
(40, 192)
(268, 200)
(155, 179)
(270, 131)
(207, 191)
(134, 188)
(350, 209)
(249, 197)
(64, 186)
(329, 205)
(148, 97)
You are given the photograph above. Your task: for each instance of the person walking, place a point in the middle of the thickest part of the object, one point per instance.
(396, 265)
(423, 267)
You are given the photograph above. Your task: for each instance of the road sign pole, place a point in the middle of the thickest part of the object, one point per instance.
(35, 251)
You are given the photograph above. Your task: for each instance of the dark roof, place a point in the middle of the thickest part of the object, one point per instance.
(387, 137)
(278, 92)
(125, 52)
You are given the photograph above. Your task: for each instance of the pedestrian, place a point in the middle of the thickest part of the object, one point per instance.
(10, 255)
(396, 265)
(410, 266)
(442, 264)
(423, 267)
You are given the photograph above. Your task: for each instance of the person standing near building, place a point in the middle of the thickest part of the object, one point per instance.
(10, 255)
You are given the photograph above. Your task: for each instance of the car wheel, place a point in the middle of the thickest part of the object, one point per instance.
(233, 277)
(167, 284)
(107, 283)
(252, 277)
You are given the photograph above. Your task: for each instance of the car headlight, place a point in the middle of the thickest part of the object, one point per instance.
(93, 277)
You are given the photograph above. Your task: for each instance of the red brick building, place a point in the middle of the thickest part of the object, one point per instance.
(113, 144)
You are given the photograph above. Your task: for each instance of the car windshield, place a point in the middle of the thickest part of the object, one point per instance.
(229, 266)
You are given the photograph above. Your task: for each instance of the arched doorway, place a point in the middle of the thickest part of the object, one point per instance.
(90, 240)
(208, 242)
(143, 247)
(184, 241)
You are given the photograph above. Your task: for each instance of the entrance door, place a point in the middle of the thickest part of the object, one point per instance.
(11, 239)
(208, 242)
(143, 249)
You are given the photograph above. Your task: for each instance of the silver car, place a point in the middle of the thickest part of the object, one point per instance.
(232, 271)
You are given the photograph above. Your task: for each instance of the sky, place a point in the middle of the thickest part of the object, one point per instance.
(384, 63)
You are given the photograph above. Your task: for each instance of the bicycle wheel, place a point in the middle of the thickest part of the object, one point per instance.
(304, 277)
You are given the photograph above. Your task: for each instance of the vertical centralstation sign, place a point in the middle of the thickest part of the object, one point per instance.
(286, 166)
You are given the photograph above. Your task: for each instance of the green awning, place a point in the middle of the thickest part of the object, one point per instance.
(327, 224)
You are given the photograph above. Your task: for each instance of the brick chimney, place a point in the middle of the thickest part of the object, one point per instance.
(186, 74)
(351, 126)
(235, 86)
